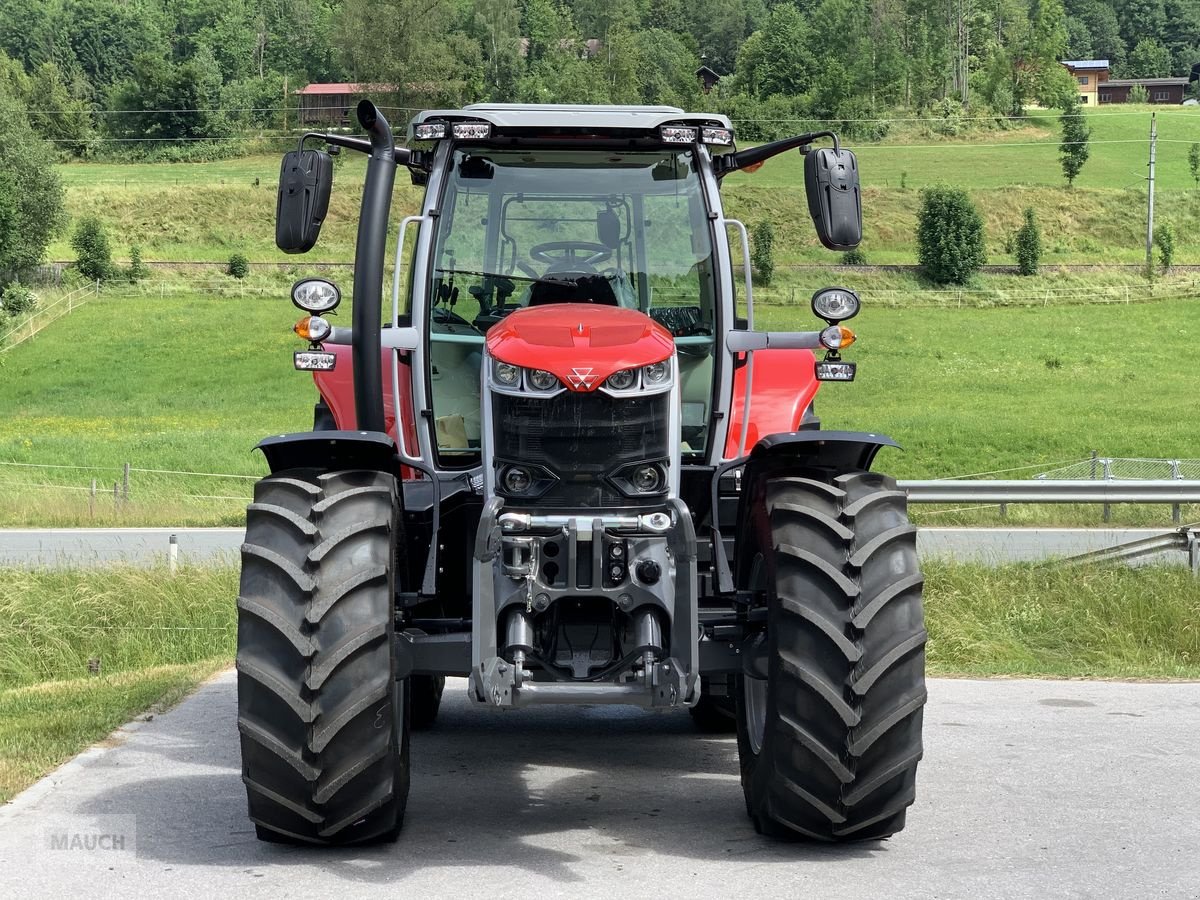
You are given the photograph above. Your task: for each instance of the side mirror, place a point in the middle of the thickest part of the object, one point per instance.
(305, 180)
(834, 200)
(608, 228)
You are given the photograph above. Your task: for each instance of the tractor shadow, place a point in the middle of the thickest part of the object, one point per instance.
(541, 790)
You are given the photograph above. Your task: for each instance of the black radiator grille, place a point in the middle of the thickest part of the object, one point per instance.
(582, 438)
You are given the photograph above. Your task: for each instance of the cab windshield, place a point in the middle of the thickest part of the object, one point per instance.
(525, 228)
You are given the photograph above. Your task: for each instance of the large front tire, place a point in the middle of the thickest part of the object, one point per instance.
(322, 719)
(830, 738)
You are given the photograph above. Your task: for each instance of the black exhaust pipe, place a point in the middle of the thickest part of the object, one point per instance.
(368, 268)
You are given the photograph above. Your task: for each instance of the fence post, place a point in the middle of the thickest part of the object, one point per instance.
(125, 483)
(1175, 474)
(1095, 453)
(1107, 463)
(116, 496)
(92, 500)
(173, 555)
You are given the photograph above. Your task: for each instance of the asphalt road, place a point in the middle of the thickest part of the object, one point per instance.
(101, 546)
(1029, 789)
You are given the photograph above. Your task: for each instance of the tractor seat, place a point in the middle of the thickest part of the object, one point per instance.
(573, 287)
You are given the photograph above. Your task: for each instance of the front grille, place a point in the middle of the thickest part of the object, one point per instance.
(583, 439)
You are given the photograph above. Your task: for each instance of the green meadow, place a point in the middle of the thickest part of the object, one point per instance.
(204, 212)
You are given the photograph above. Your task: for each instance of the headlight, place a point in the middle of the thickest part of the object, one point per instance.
(835, 304)
(506, 374)
(656, 373)
(316, 295)
(542, 380)
(517, 480)
(647, 479)
(622, 380)
(641, 479)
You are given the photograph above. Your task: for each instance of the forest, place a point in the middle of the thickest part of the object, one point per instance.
(135, 78)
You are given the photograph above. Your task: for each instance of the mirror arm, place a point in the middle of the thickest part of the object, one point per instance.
(752, 156)
(402, 155)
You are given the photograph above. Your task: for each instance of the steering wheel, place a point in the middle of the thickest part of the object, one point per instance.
(569, 255)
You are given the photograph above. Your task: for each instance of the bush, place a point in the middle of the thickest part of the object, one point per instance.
(137, 269)
(92, 255)
(239, 266)
(950, 240)
(16, 300)
(1029, 245)
(947, 117)
(762, 251)
(1164, 239)
(1138, 94)
(855, 257)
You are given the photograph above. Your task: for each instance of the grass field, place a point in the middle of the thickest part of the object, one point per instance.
(153, 637)
(156, 637)
(207, 211)
(188, 383)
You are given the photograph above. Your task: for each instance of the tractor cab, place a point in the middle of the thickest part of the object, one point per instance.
(531, 228)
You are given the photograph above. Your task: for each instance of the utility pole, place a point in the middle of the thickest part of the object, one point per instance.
(285, 104)
(1150, 201)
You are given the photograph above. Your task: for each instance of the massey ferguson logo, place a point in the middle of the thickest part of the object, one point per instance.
(582, 379)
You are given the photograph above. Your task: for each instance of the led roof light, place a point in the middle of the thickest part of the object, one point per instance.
(677, 134)
(722, 136)
(430, 131)
(472, 131)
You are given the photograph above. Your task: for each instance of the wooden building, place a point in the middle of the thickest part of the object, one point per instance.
(1158, 90)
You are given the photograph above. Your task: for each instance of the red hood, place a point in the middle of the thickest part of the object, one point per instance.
(580, 343)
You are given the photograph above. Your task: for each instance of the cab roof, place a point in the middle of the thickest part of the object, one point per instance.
(534, 117)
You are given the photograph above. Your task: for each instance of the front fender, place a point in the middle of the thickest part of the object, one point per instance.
(331, 451)
(835, 452)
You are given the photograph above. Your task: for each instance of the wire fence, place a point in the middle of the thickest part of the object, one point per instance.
(29, 326)
(54, 494)
(1108, 468)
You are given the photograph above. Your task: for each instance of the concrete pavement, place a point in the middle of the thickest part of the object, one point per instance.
(1028, 789)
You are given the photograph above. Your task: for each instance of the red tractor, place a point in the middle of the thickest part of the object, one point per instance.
(566, 466)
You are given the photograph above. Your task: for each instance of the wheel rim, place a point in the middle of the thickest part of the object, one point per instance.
(754, 696)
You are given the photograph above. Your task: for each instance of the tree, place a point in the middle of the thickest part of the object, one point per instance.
(31, 194)
(1107, 41)
(169, 101)
(1079, 39)
(414, 46)
(1047, 44)
(497, 25)
(107, 37)
(950, 239)
(1194, 163)
(93, 257)
(1029, 245)
(57, 113)
(762, 253)
(1074, 150)
(1141, 19)
(776, 59)
(669, 69)
(1164, 239)
(1149, 59)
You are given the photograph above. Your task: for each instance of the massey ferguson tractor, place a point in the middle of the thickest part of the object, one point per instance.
(566, 466)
